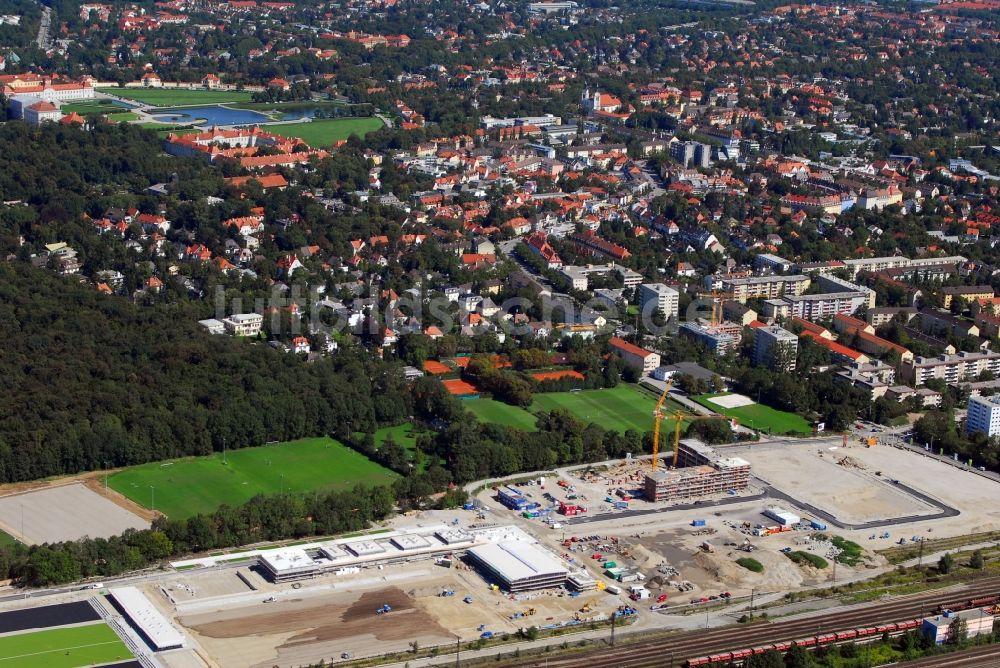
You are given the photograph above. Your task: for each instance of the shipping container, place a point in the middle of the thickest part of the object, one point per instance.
(819, 526)
(698, 523)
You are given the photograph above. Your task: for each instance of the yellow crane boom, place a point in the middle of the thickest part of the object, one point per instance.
(657, 416)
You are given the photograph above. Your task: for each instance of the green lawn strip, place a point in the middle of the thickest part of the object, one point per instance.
(170, 97)
(324, 132)
(189, 486)
(751, 564)
(759, 416)
(813, 560)
(6, 539)
(123, 117)
(69, 647)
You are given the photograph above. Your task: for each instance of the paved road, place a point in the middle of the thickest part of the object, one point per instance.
(44, 39)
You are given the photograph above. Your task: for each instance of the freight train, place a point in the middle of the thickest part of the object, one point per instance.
(967, 603)
(809, 642)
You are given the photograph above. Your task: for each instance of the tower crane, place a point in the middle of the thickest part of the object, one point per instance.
(657, 416)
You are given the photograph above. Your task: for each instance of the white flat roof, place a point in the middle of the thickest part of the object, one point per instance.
(515, 560)
(143, 614)
(410, 542)
(287, 559)
(364, 548)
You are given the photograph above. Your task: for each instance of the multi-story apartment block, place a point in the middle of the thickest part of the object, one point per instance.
(775, 347)
(763, 287)
(983, 416)
(715, 339)
(663, 296)
(949, 368)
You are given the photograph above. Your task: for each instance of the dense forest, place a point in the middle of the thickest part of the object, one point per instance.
(92, 381)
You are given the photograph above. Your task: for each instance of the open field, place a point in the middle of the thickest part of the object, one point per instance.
(759, 416)
(68, 647)
(170, 97)
(497, 412)
(620, 408)
(185, 487)
(325, 132)
(64, 512)
(6, 539)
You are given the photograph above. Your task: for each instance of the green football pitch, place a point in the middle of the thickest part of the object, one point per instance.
(760, 417)
(619, 408)
(69, 647)
(181, 488)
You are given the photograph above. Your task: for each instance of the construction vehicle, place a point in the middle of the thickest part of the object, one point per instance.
(447, 592)
(386, 608)
(467, 599)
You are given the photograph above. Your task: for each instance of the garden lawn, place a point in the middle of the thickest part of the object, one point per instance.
(759, 416)
(169, 97)
(95, 107)
(6, 539)
(324, 132)
(193, 485)
(69, 647)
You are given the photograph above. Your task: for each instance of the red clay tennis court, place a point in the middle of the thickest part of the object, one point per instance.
(459, 387)
(557, 375)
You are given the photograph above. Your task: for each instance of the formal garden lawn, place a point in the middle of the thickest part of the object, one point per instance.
(170, 97)
(68, 647)
(324, 132)
(760, 417)
(93, 107)
(193, 485)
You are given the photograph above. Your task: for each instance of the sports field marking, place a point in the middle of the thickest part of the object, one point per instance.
(64, 647)
(201, 484)
(58, 649)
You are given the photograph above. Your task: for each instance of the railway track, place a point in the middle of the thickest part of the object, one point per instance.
(675, 650)
(977, 657)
